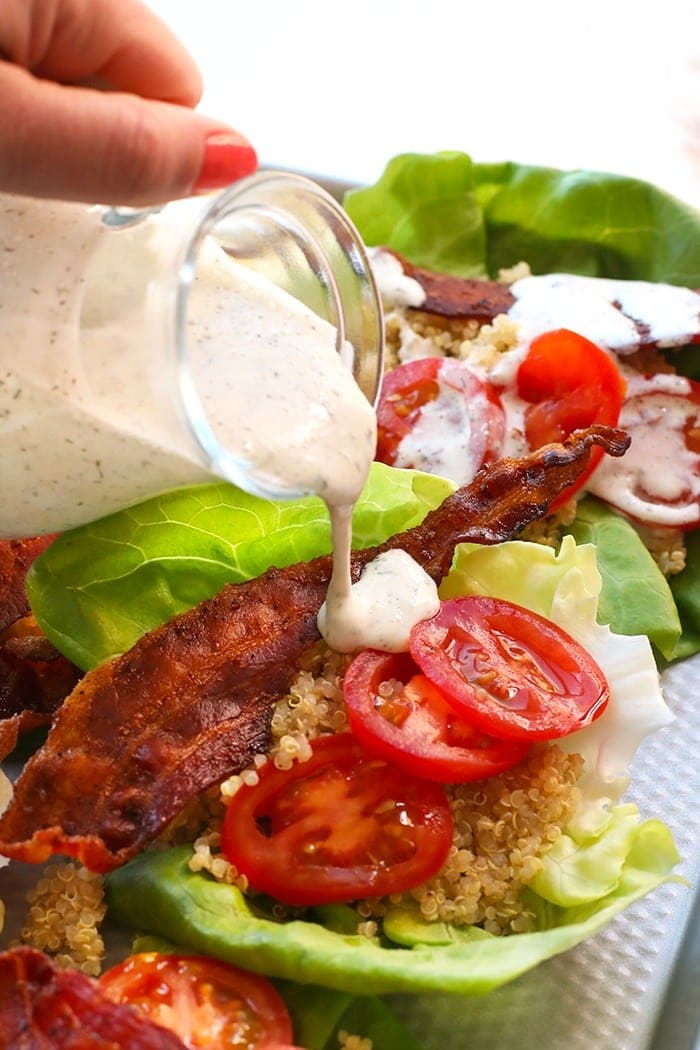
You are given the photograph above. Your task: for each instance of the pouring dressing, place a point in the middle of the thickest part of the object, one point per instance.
(239, 337)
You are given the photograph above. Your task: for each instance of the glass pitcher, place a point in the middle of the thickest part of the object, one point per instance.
(121, 336)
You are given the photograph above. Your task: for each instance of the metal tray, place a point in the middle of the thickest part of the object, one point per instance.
(635, 986)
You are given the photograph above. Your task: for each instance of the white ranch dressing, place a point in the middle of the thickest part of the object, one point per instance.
(660, 468)
(393, 594)
(441, 440)
(395, 287)
(606, 311)
(87, 424)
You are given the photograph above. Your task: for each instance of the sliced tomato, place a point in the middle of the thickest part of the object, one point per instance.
(340, 826)
(507, 671)
(570, 383)
(657, 481)
(460, 432)
(206, 1002)
(398, 714)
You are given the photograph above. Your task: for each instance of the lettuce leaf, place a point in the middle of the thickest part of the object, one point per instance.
(686, 590)
(425, 207)
(158, 893)
(320, 1014)
(98, 588)
(636, 597)
(446, 212)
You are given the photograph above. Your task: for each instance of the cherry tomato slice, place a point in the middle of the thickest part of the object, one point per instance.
(435, 414)
(398, 714)
(657, 482)
(206, 1002)
(570, 383)
(508, 671)
(338, 827)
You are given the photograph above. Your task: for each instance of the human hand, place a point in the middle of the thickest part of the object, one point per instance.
(97, 102)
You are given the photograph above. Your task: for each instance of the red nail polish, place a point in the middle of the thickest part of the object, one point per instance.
(227, 157)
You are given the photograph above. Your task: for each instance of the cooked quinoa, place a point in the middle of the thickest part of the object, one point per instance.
(66, 908)
(346, 1041)
(502, 826)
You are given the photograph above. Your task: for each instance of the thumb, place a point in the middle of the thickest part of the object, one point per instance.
(78, 143)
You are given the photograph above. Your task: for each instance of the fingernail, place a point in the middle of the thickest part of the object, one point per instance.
(227, 157)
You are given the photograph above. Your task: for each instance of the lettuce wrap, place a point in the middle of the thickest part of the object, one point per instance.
(605, 860)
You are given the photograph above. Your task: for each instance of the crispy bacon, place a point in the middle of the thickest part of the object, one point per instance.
(462, 298)
(43, 1007)
(34, 677)
(34, 680)
(190, 703)
(9, 731)
(15, 558)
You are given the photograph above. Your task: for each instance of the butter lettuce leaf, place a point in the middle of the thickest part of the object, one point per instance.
(158, 893)
(686, 591)
(320, 1014)
(636, 597)
(576, 872)
(446, 212)
(586, 222)
(98, 588)
(425, 207)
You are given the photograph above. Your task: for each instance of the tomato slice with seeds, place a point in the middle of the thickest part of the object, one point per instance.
(657, 482)
(436, 414)
(509, 671)
(400, 715)
(338, 827)
(570, 383)
(206, 1002)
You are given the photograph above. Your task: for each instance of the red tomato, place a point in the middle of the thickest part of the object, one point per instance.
(207, 1003)
(414, 727)
(338, 827)
(508, 671)
(473, 423)
(657, 482)
(570, 383)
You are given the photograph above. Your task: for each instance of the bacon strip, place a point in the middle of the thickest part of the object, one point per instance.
(34, 677)
(42, 1006)
(34, 680)
(15, 558)
(462, 298)
(190, 703)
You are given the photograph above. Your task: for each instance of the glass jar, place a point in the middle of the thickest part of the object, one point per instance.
(122, 335)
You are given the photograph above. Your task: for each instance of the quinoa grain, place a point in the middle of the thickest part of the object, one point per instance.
(66, 908)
